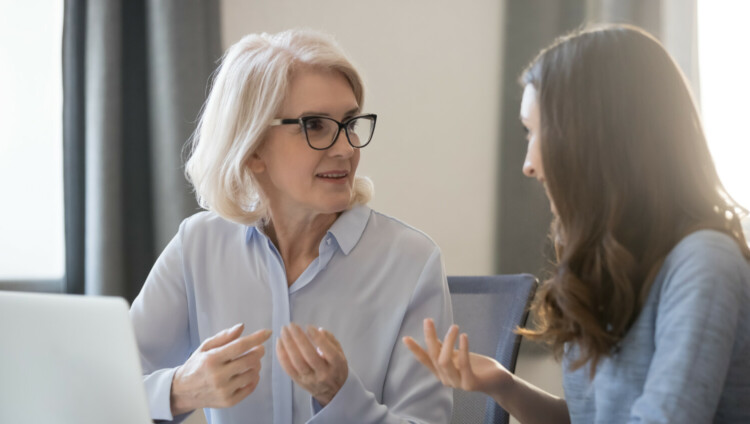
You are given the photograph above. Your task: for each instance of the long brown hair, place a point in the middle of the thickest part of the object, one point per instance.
(627, 166)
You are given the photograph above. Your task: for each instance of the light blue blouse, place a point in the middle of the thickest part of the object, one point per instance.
(374, 282)
(686, 359)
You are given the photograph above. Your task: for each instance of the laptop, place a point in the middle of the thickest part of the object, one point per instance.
(69, 359)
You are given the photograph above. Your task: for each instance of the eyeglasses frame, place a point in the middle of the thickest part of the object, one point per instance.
(303, 119)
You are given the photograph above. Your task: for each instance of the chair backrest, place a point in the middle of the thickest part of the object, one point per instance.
(488, 309)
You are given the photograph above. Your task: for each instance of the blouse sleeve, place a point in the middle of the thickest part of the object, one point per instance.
(411, 394)
(696, 324)
(160, 319)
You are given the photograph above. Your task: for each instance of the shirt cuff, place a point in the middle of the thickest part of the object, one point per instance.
(158, 389)
(352, 403)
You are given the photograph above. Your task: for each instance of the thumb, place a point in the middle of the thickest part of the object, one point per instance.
(222, 337)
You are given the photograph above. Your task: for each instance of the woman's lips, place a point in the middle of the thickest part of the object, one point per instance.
(333, 176)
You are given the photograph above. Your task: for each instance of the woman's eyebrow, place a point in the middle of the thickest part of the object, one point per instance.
(314, 112)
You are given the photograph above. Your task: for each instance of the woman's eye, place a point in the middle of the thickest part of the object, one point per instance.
(314, 124)
(352, 126)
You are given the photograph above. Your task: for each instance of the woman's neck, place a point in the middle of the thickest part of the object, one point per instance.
(297, 237)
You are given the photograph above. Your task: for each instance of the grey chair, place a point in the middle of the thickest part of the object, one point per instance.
(488, 309)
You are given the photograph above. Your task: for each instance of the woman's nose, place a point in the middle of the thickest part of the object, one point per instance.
(528, 168)
(341, 146)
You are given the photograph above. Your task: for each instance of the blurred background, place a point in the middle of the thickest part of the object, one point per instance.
(97, 99)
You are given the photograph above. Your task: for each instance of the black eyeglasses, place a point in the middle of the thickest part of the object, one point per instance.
(321, 132)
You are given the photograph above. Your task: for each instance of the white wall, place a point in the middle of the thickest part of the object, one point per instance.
(432, 74)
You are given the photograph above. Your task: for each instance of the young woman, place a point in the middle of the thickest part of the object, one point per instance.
(648, 306)
(289, 249)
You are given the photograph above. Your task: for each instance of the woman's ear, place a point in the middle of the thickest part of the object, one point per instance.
(255, 162)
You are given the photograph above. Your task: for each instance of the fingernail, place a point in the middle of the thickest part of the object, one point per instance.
(236, 326)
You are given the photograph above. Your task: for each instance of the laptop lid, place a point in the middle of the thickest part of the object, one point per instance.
(69, 359)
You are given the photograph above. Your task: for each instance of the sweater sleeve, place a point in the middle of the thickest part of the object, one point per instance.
(696, 324)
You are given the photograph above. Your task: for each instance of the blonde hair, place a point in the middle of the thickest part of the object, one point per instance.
(248, 90)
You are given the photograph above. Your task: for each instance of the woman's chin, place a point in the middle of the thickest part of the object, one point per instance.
(334, 206)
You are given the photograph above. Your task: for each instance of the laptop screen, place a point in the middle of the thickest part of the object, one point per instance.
(69, 359)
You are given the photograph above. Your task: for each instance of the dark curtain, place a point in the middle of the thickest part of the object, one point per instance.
(134, 78)
(524, 213)
(673, 22)
(522, 241)
(643, 13)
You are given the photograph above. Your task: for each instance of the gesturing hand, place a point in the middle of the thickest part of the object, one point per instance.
(314, 360)
(459, 368)
(220, 373)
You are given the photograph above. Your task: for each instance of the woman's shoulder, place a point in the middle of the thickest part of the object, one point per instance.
(705, 262)
(384, 225)
(707, 249)
(208, 224)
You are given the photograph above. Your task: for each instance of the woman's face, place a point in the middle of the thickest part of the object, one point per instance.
(294, 177)
(531, 120)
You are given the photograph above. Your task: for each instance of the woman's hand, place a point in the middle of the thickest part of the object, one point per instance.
(314, 360)
(220, 373)
(459, 368)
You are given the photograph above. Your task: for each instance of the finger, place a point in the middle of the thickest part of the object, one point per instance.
(238, 347)
(315, 336)
(222, 337)
(295, 357)
(431, 339)
(464, 362)
(327, 344)
(242, 379)
(433, 348)
(243, 384)
(246, 362)
(284, 360)
(242, 393)
(332, 339)
(419, 353)
(306, 348)
(445, 360)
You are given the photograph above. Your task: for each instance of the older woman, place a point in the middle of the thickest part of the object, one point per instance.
(289, 251)
(648, 304)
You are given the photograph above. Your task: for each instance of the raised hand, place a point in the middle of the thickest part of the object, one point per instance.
(314, 360)
(220, 373)
(459, 368)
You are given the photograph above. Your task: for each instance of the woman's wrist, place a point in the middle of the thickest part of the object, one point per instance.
(502, 390)
(323, 400)
(178, 404)
(326, 397)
